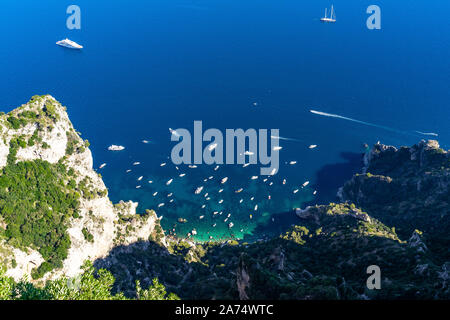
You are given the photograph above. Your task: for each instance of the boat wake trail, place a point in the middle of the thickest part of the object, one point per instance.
(283, 138)
(428, 133)
(320, 113)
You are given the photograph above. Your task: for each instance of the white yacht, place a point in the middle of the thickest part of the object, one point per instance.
(113, 147)
(332, 17)
(69, 44)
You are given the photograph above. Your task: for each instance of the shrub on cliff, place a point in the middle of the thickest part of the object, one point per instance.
(36, 204)
(92, 284)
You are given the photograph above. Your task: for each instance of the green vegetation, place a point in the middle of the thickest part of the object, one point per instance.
(92, 284)
(16, 123)
(74, 144)
(408, 189)
(87, 235)
(36, 203)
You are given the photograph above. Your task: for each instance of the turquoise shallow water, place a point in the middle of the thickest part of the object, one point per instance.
(263, 201)
(151, 65)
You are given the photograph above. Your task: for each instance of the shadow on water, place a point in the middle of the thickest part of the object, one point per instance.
(333, 176)
(328, 180)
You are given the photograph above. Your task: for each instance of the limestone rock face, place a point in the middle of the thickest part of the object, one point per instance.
(242, 281)
(416, 242)
(97, 215)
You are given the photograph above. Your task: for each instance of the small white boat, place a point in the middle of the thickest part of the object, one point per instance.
(220, 201)
(212, 146)
(292, 162)
(216, 168)
(295, 191)
(224, 180)
(145, 141)
(162, 164)
(69, 44)
(312, 146)
(221, 190)
(198, 190)
(256, 207)
(277, 148)
(136, 163)
(230, 225)
(305, 184)
(102, 165)
(169, 182)
(182, 175)
(114, 147)
(245, 165)
(160, 205)
(129, 170)
(201, 217)
(140, 178)
(174, 132)
(155, 193)
(254, 177)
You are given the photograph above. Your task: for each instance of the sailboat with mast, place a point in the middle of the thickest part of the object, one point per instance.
(332, 17)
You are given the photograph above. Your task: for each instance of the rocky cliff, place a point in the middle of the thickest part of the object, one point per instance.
(407, 188)
(39, 137)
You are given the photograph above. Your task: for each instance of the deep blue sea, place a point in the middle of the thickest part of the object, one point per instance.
(150, 65)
